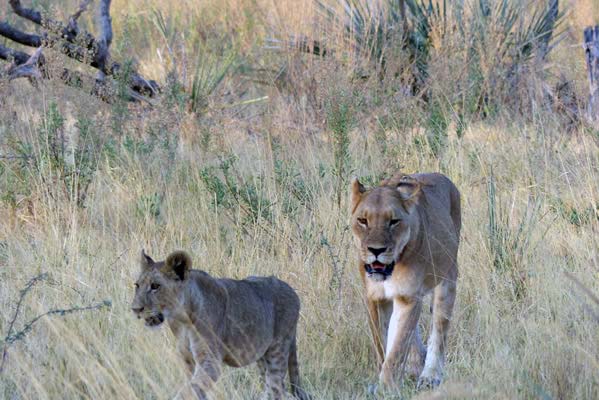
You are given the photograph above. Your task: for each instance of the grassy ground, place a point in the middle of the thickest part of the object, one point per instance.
(256, 182)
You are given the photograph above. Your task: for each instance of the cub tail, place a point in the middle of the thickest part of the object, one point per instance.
(294, 377)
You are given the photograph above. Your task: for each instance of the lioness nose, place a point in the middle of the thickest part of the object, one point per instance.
(137, 310)
(377, 251)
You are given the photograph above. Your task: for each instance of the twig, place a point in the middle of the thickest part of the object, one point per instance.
(586, 291)
(29, 325)
(11, 337)
(336, 279)
(22, 295)
(73, 18)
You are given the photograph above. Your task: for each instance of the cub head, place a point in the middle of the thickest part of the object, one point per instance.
(158, 286)
(384, 219)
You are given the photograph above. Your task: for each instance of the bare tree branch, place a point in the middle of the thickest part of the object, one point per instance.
(27, 13)
(105, 39)
(9, 54)
(75, 44)
(34, 67)
(29, 69)
(72, 26)
(591, 50)
(27, 39)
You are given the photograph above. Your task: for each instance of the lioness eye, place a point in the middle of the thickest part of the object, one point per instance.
(363, 221)
(136, 285)
(393, 222)
(154, 286)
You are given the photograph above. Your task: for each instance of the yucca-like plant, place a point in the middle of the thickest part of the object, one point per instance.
(210, 70)
(376, 30)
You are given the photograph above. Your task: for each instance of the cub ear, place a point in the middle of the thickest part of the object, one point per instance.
(409, 189)
(145, 260)
(177, 265)
(357, 190)
(394, 180)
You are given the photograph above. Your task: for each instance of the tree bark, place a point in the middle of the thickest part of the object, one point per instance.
(591, 50)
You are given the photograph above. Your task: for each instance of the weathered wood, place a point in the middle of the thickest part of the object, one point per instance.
(8, 54)
(77, 44)
(29, 69)
(27, 39)
(105, 39)
(591, 50)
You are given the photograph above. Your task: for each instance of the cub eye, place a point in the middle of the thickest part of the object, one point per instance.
(363, 221)
(136, 285)
(154, 286)
(394, 222)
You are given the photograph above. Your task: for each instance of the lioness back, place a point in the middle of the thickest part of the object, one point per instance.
(440, 191)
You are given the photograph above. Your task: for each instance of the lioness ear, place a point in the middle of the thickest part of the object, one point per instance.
(409, 189)
(357, 190)
(177, 265)
(145, 260)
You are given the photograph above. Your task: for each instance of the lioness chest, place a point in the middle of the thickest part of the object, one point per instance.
(405, 281)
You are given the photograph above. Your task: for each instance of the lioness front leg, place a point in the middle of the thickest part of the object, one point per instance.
(443, 301)
(402, 325)
(378, 321)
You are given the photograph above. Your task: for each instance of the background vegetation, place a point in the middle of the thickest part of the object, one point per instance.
(245, 160)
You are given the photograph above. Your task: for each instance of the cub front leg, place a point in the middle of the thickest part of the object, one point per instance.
(402, 325)
(187, 358)
(204, 376)
(206, 371)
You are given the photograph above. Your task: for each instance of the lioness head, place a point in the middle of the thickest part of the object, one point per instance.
(158, 286)
(383, 220)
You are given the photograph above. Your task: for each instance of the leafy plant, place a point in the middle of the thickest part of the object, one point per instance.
(66, 163)
(340, 121)
(233, 192)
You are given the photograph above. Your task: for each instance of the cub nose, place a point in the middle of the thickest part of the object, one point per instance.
(376, 251)
(137, 310)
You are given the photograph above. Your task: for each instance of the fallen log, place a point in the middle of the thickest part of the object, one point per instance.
(75, 43)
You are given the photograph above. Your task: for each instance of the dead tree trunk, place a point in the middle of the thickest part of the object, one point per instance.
(591, 49)
(68, 39)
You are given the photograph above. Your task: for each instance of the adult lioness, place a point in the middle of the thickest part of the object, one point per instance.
(222, 321)
(407, 233)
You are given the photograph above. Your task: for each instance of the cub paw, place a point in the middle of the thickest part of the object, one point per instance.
(428, 382)
(373, 389)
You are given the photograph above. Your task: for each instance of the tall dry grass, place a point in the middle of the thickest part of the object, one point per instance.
(253, 184)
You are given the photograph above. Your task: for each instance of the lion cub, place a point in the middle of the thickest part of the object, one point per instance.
(222, 321)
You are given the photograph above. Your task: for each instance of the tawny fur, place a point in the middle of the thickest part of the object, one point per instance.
(412, 222)
(222, 322)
